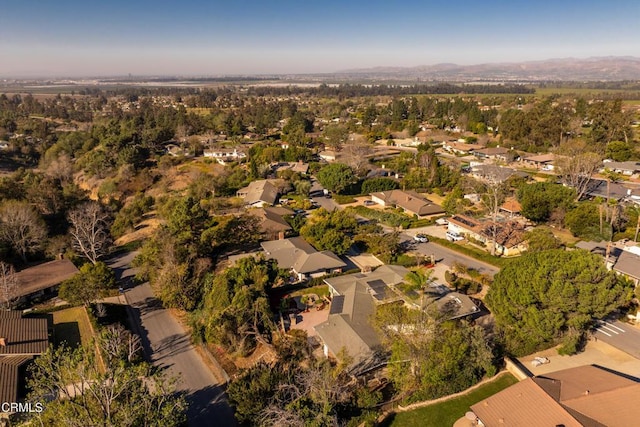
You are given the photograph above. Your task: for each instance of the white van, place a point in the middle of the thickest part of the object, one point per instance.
(452, 236)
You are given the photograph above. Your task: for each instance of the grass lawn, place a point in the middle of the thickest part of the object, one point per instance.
(448, 412)
(71, 325)
(322, 290)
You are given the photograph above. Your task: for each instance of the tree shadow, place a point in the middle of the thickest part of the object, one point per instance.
(172, 346)
(209, 407)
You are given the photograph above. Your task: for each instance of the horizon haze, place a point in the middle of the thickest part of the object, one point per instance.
(70, 38)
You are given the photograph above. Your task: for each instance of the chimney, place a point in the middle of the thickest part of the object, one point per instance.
(281, 235)
(3, 342)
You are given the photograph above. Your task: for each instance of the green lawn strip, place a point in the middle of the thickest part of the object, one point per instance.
(448, 412)
(71, 325)
(478, 254)
(321, 290)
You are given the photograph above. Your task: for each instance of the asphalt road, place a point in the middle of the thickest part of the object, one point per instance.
(168, 346)
(620, 335)
(447, 256)
(443, 255)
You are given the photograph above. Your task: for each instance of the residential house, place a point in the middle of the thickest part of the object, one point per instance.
(627, 264)
(302, 259)
(259, 193)
(409, 201)
(540, 161)
(21, 339)
(494, 173)
(299, 166)
(328, 156)
(511, 207)
(460, 147)
(43, 280)
(176, 150)
(509, 235)
(272, 224)
(606, 189)
(582, 396)
(623, 259)
(224, 156)
(354, 298)
(495, 153)
(625, 168)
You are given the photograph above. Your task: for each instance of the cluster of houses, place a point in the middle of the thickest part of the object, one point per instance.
(24, 338)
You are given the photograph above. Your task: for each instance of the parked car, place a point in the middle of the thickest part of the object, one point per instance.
(452, 236)
(442, 221)
(421, 238)
(540, 361)
(369, 203)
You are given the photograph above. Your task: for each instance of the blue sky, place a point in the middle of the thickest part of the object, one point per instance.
(188, 37)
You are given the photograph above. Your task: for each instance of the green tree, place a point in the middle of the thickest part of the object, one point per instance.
(336, 177)
(432, 358)
(92, 282)
(335, 135)
(541, 239)
(373, 185)
(619, 151)
(236, 311)
(553, 296)
(330, 231)
(540, 199)
(584, 221)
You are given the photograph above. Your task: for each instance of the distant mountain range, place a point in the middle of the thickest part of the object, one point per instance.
(565, 69)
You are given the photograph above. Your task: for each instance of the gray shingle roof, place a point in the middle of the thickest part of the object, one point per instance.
(295, 253)
(628, 264)
(44, 276)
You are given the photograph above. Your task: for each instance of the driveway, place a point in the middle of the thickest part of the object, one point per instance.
(168, 346)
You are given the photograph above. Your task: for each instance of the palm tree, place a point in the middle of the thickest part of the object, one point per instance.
(419, 279)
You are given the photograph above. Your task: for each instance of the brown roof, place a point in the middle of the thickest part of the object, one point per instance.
(586, 395)
(511, 205)
(23, 336)
(410, 201)
(541, 158)
(271, 220)
(492, 151)
(508, 234)
(297, 254)
(43, 276)
(523, 405)
(10, 377)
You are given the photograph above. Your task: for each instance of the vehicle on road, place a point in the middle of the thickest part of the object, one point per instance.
(452, 236)
(421, 238)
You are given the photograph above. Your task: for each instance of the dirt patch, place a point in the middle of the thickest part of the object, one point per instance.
(144, 230)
